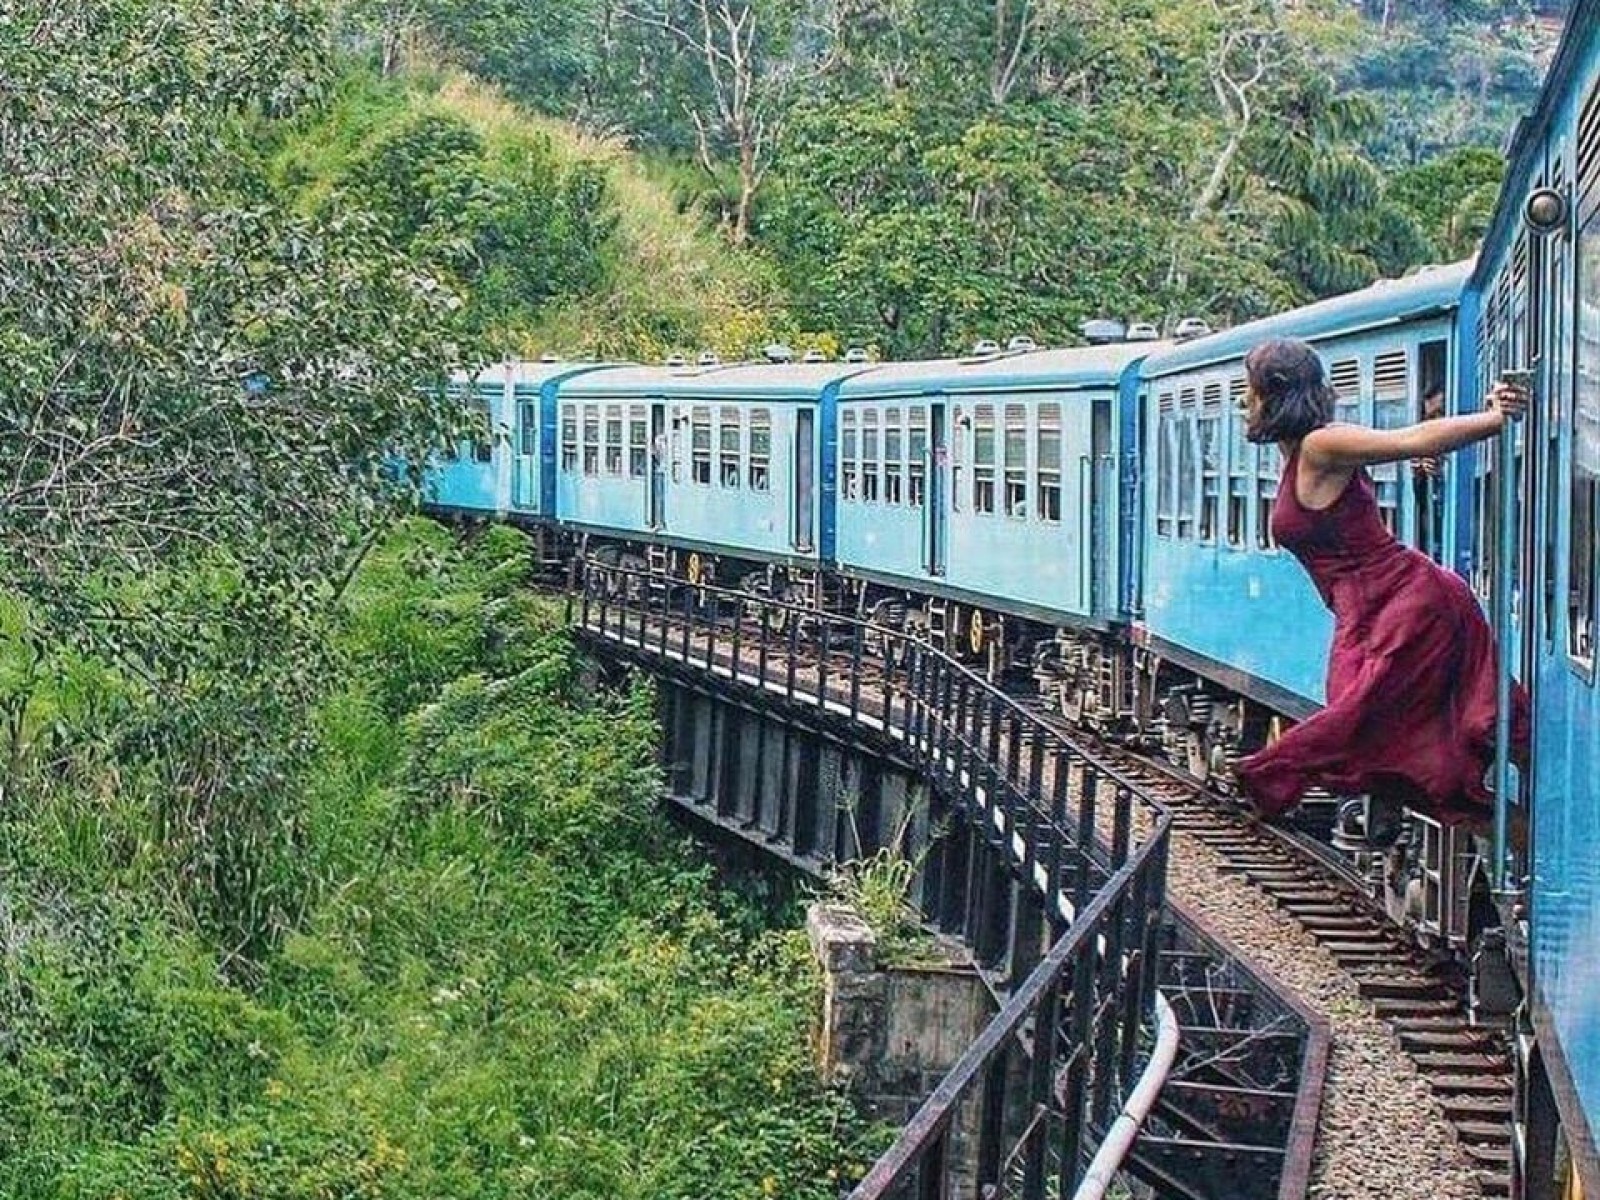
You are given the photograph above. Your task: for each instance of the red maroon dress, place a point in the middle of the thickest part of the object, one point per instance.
(1411, 672)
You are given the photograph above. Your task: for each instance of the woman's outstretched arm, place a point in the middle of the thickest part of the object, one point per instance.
(1358, 446)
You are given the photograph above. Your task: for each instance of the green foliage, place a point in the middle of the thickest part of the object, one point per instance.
(1452, 198)
(506, 976)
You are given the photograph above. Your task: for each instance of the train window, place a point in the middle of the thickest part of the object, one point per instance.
(1585, 495)
(591, 439)
(1267, 468)
(1166, 468)
(917, 457)
(528, 426)
(760, 449)
(1188, 476)
(614, 439)
(1345, 376)
(958, 458)
(1210, 460)
(638, 441)
(700, 445)
(1049, 462)
(569, 437)
(1391, 405)
(483, 433)
(728, 434)
(983, 459)
(893, 456)
(1241, 463)
(1016, 461)
(869, 455)
(850, 465)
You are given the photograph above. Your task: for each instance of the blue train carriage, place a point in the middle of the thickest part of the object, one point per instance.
(710, 474)
(1231, 637)
(979, 503)
(1539, 276)
(499, 470)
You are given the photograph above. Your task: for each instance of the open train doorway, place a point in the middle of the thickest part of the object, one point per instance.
(805, 479)
(1428, 485)
(660, 448)
(934, 525)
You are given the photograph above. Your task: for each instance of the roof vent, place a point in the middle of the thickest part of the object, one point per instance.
(708, 358)
(1101, 331)
(777, 352)
(984, 347)
(677, 360)
(1021, 344)
(1190, 327)
(813, 356)
(1143, 331)
(856, 354)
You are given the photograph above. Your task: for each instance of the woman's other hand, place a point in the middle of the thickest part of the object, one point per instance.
(1510, 400)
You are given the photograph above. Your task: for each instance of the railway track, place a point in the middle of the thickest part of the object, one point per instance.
(1420, 998)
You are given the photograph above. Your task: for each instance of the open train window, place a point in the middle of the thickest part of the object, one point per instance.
(528, 426)
(1428, 492)
(729, 434)
(1210, 460)
(1585, 494)
(613, 439)
(1391, 409)
(1016, 461)
(483, 433)
(1166, 466)
(760, 449)
(1049, 462)
(569, 437)
(591, 439)
(638, 441)
(917, 456)
(1267, 469)
(893, 457)
(1241, 466)
(700, 445)
(983, 459)
(850, 464)
(869, 456)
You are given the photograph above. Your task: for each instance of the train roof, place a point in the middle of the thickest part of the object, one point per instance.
(732, 381)
(1078, 367)
(1422, 293)
(1573, 57)
(524, 374)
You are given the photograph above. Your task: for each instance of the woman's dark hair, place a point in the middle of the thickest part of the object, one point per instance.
(1294, 393)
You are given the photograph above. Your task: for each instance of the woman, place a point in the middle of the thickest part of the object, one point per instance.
(1410, 715)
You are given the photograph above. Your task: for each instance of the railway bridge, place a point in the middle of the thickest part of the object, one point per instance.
(820, 739)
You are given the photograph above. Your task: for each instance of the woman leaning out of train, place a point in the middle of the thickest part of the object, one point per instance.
(1410, 713)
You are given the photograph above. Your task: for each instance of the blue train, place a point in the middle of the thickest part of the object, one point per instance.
(1094, 517)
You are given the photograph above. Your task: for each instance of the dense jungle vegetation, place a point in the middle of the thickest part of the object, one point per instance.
(321, 873)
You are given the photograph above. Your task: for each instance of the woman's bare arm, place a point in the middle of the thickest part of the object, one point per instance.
(1350, 446)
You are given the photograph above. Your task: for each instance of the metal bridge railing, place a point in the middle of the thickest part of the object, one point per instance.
(1047, 1073)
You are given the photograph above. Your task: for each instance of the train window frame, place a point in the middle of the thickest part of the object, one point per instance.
(1344, 377)
(614, 434)
(730, 457)
(1241, 466)
(870, 451)
(1188, 485)
(1269, 476)
(958, 454)
(638, 441)
(1047, 463)
(569, 439)
(1166, 465)
(1208, 431)
(700, 445)
(1391, 402)
(591, 439)
(483, 432)
(893, 456)
(760, 459)
(528, 426)
(849, 456)
(916, 455)
(983, 462)
(1580, 540)
(1014, 445)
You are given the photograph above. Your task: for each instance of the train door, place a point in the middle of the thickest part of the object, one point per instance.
(1102, 526)
(803, 521)
(525, 471)
(935, 522)
(1427, 486)
(660, 449)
